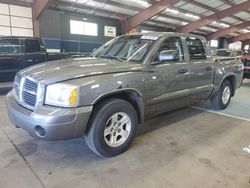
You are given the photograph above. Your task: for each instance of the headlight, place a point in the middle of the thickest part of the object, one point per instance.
(62, 95)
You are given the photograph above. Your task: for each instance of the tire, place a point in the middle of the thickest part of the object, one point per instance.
(118, 119)
(218, 102)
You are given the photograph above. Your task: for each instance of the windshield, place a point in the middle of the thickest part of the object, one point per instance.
(125, 48)
(10, 46)
(224, 53)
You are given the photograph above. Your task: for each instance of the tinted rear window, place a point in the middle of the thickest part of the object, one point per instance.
(32, 46)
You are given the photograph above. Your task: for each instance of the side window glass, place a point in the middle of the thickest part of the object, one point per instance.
(195, 48)
(10, 46)
(173, 45)
(239, 53)
(32, 46)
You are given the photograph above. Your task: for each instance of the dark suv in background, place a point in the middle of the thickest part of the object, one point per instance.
(17, 53)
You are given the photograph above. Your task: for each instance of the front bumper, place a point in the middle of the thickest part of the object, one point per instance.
(49, 123)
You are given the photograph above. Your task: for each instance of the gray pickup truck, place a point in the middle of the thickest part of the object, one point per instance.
(105, 96)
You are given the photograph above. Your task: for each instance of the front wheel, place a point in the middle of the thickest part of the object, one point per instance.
(223, 97)
(112, 128)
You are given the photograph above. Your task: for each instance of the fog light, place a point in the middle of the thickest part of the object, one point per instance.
(40, 131)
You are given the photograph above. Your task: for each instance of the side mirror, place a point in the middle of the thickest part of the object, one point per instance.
(168, 55)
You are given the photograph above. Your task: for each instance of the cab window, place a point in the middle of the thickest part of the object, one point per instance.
(10, 46)
(173, 44)
(32, 46)
(196, 48)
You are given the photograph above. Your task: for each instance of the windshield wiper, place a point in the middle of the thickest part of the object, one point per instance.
(113, 57)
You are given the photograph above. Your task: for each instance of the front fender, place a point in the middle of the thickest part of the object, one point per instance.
(117, 91)
(93, 88)
(133, 96)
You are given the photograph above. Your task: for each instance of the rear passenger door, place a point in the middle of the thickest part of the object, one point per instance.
(202, 68)
(33, 52)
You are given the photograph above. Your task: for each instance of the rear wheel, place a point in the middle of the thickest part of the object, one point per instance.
(223, 97)
(112, 128)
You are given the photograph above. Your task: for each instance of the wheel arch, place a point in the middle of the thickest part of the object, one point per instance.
(133, 96)
(232, 79)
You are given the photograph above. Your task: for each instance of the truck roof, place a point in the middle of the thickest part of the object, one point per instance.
(18, 37)
(162, 34)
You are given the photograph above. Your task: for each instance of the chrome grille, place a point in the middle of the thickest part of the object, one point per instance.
(25, 90)
(29, 98)
(30, 85)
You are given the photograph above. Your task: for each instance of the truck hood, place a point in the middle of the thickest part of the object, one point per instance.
(56, 71)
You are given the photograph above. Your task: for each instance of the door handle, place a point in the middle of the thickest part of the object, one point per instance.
(209, 68)
(182, 71)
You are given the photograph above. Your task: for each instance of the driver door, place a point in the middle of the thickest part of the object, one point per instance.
(167, 83)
